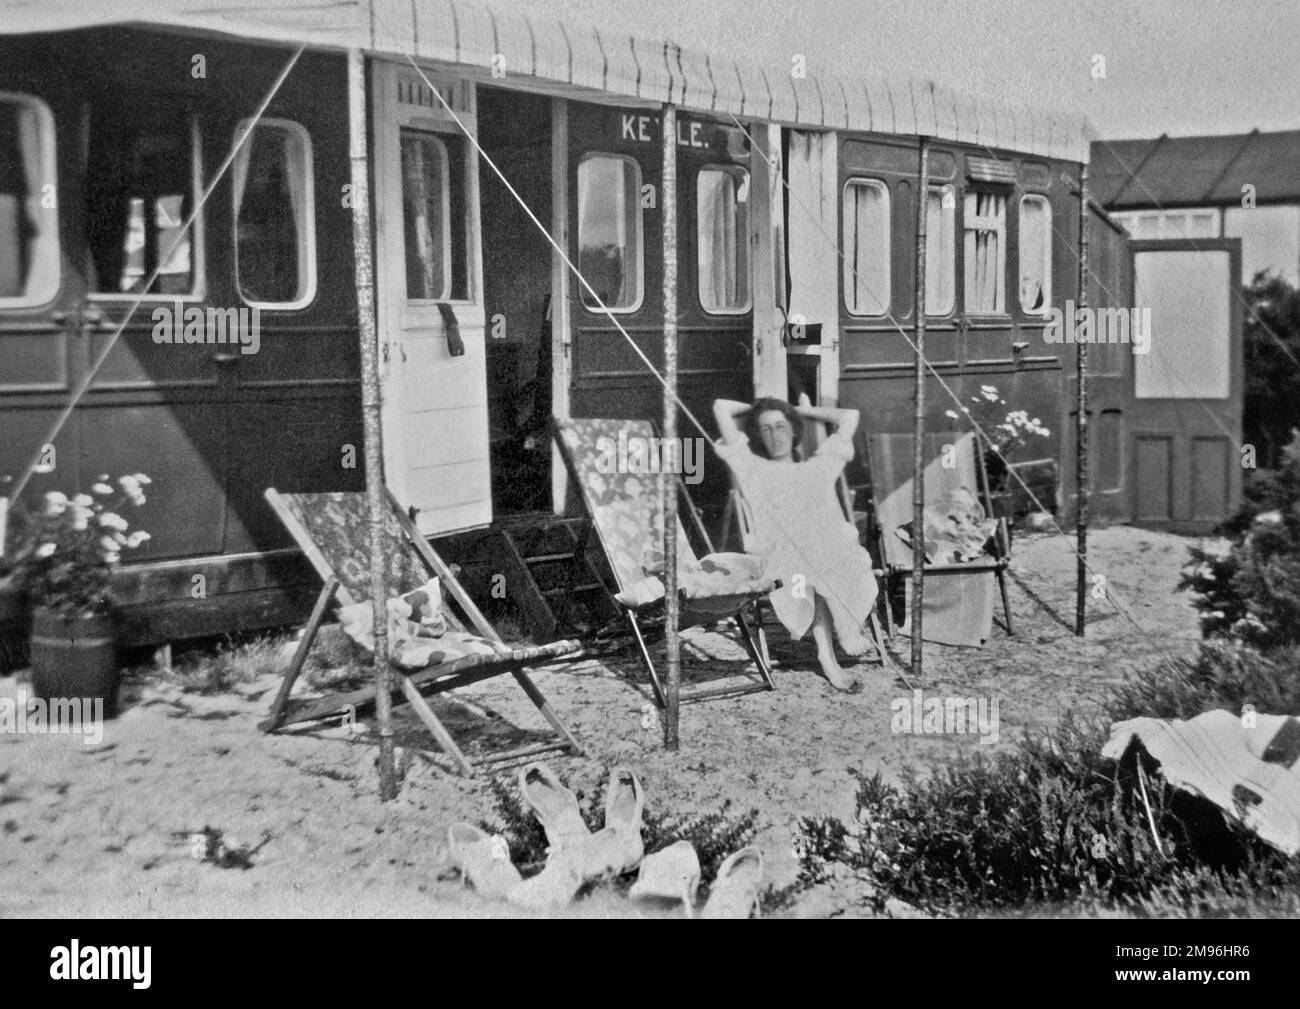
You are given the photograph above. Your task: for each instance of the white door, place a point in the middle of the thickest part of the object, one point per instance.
(430, 299)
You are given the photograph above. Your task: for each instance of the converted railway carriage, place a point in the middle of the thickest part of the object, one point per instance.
(239, 369)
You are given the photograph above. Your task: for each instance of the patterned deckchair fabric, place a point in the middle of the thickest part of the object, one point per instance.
(623, 508)
(332, 530)
(338, 524)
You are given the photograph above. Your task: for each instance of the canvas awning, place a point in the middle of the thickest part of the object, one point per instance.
(587, 62)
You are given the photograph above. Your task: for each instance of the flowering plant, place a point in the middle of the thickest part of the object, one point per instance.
(72, 545)
(1006, 431)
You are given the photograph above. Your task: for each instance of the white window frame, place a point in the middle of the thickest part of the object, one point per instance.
(973, 223)
(1047, 252)
(730, 171)
(640, 235)
(307, 238)
(197, 259)
(948, 219)
(848, 273)
(50, 171)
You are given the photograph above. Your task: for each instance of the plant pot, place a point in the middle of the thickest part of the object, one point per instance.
(75, 657)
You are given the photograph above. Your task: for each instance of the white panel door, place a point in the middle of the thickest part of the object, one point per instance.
(428, 270)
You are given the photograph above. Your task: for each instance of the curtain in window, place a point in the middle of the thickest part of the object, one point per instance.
(271, 231)
(985, 251)
(718, 267)
(940, 261)
(606, 230)
(866, 247)
(42, 243)
(1035, 254)
(423, 188)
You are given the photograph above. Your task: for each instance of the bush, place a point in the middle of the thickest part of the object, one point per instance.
(1050, 822)
(1222, 675)
(1251, 593)
(1271, 338)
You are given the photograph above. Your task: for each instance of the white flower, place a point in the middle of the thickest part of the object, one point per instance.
(950, 413)
(112, 558)
(111, 520)
(84, 500)
(102, 488)
(143, 479)
(108, 545)
(136, 538)
(44, 550)
(56, 503)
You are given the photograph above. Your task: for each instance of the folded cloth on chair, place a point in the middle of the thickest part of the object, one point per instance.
(956, 530)
(417, 631)
(1248, 765)
(710, 577)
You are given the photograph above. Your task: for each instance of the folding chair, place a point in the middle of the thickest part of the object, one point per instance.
(332, 530)
(623, 509)
(952, 461)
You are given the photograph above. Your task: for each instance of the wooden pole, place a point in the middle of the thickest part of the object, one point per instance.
(371, 401)
(668, 481)
(1081, 486)
(918, 417)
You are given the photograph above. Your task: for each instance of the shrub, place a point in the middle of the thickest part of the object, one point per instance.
(1251, 593)
(1051, 821)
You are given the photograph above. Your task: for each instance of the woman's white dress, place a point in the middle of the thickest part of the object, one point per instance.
(799, 528)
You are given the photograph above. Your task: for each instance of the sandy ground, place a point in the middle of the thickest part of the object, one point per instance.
(105, 829)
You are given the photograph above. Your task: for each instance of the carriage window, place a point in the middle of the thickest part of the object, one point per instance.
(29, 240)
(940, 251)
(985, 225)
(609, 231)
(275, 254)
(866, 247)
(722, 245)
(435, 217)
(142, 183)
(1035, 254)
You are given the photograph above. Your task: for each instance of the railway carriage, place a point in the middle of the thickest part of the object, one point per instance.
(796, 258)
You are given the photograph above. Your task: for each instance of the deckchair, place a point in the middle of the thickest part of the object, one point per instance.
(624, 511)
(738, 510)
(332, 530)
(952, 461)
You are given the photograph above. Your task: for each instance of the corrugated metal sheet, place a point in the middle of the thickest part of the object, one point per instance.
(585, 59)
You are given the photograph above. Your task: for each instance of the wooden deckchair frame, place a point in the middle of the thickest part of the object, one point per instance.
(998, 561)
(754, 640)
(414, 687)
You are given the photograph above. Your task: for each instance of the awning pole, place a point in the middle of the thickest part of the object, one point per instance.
(918, 418)
(668, 481)
(371, 401)
(1081, 487)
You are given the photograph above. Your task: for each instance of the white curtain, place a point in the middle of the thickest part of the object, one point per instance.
(866, 241)
(939, 252)
(37, 156)
(1035, 254)
(985, 251)
(718, 267)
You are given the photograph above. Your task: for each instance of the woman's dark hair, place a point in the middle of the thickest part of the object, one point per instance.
(762, 406)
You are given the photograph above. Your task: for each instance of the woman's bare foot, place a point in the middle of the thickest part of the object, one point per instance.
(833, 671)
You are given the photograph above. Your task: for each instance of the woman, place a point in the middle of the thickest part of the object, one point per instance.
(798, 525)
